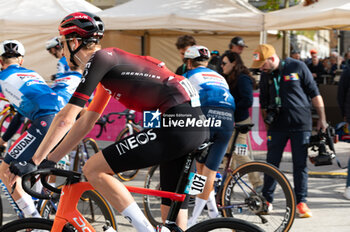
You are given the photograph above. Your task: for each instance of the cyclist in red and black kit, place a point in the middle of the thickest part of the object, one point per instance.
(138, 82)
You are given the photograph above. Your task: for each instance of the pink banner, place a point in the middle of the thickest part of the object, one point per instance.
(114, 128)
(258, 134)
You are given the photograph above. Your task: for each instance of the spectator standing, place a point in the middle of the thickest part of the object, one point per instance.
(215, 60)
(316, 67)
(182, 44)
(286, 87)
(346, 61)
(237, 45)
(344, 104)
(241, 85)
(295, 54)
(55, 48)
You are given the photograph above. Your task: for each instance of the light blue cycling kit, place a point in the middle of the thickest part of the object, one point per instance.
(65, 84)
(28, 92)
(216, 102)
(62, 66)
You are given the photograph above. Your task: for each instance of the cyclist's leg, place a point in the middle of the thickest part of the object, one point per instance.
(276, 141)
(209, 165)
(23, 150)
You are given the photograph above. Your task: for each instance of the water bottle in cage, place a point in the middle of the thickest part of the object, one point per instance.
(217, 182)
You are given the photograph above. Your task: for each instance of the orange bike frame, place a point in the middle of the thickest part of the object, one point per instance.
(67, 211)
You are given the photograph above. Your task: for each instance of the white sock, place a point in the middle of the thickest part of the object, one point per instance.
(212, 207)
(26, 204)
(197, 210)
(135, 216)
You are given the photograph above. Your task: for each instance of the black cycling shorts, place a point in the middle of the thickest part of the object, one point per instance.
(167, 146)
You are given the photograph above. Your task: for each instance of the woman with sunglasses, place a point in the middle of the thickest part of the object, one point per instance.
(241, 85)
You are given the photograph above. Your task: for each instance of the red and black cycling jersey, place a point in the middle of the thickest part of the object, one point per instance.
(138, 82)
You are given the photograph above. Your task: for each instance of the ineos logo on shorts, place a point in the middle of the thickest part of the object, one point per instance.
(19, 147)
(135, 141)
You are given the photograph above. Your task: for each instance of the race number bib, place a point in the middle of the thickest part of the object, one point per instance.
(241, 149)
(192, 92)
(196, 184)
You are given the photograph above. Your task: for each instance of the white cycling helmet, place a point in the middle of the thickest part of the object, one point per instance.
(55, 42)
(198, 53)
(11, 48)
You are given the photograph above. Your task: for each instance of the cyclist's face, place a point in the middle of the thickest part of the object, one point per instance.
(54, 52)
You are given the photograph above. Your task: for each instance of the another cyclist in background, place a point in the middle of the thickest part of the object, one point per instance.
(27, 91)
(241, 85)
(65, 85)
(218, 103)
(182, 44)
(55, 48)
(140, 83)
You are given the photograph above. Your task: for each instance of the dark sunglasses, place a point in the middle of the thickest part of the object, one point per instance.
(223, 63)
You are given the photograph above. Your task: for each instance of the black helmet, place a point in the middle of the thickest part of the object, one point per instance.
(83, 25)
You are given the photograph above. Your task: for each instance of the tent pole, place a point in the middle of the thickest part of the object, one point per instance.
(263, 36)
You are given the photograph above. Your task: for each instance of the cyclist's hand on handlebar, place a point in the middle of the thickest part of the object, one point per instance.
(47, 164)
(19, 169)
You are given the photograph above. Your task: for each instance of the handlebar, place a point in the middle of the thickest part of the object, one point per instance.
(72, 177)
(103, 120)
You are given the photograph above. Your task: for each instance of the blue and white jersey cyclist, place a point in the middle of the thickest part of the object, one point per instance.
(65, 84)
(27, 91)
(55, 48)
(212, 87)
(216, 103)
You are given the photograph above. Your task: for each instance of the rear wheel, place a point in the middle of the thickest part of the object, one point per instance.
(241, 200)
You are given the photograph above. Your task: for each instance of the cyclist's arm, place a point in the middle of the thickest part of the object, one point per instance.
(63, 121)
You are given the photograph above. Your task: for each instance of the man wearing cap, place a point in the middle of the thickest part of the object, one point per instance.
(286, 87)
(237, 45)
(316, 67)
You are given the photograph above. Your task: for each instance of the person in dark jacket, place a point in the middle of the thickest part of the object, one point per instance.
(182, 44)
(286, 88)
(241, 85)
(344, 104)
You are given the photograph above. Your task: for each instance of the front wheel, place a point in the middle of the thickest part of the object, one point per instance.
(29, 224)
(242, 199)
(96, 210)
(223, 225)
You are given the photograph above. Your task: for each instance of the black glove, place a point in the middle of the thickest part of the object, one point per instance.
(47, 164)
(21, 168)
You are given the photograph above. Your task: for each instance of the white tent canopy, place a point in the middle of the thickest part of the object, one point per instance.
(204, 15)
(39, 16)
(324, 14)
(33, 22)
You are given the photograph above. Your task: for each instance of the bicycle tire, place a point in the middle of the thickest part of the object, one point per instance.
(130, 174)
(26, 224)
(92, 205)
(236, 203)
(90, 148)
(151, 204)
(231, 224)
